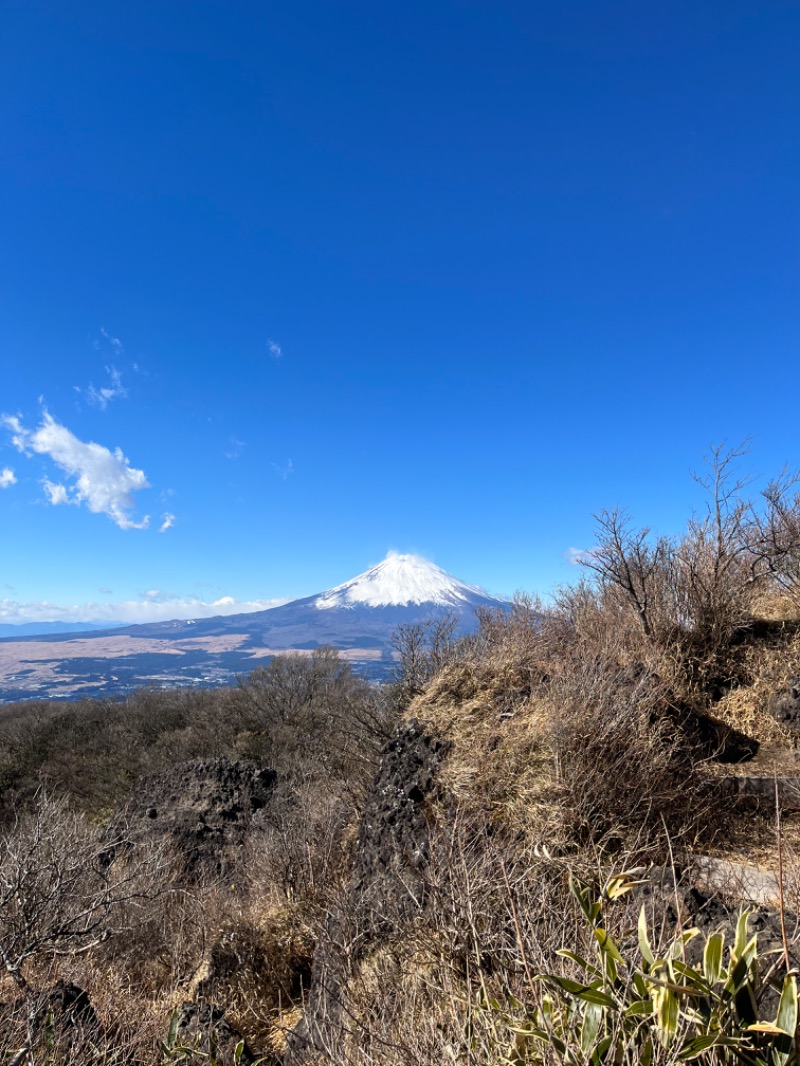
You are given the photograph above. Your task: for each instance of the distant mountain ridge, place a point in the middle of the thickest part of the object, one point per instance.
(358, 617)
(36, 629)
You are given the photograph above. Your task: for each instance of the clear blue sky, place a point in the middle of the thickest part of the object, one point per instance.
(340, 277)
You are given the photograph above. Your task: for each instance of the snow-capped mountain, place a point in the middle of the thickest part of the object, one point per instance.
(401, 581)
(359, 617)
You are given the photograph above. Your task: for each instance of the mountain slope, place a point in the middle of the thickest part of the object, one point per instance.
(401, 589)
(38, 629)
(358, 617)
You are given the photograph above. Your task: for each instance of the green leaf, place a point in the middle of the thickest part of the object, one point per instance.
(579, 959)
(745, 1003)
(786, 1022)
(598, 1056)
(617, 887)
(740, 940)
(786, 1018)
(596, 997)
(666, 1005)
(567, 984)
(590, 1027)
(639, 1007)
(644, 940)
(712, 957)
(697, 1046)
(690, 974)
(737, 975)
(584, 899)
(677, 946)
(607, 945)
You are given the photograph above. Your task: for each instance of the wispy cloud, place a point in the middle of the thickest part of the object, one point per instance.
(102, 397)
(283, 471)
(274, 349)
(578, 556)
(235, 448)
(167, 522)
(57, 493)
(7, 478)
(115, 342)
(151, 606)
(104, 480)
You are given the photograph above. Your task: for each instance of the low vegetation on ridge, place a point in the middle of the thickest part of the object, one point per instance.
(533, 847)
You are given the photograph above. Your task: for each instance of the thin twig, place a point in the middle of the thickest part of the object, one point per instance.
(780, 874)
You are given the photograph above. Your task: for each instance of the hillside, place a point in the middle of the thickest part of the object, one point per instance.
(534, 848)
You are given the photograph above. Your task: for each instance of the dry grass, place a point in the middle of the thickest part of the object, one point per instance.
(770, 666)
(500, 762)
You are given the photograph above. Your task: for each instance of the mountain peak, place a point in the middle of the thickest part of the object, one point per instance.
(398, 581)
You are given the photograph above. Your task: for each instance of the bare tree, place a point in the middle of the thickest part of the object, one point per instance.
(61, 885)
(775, 539)
(422, 649)
(715, 575)
(702, 584)
(627, 559)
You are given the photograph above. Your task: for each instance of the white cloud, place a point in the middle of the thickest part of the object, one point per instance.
(283, 471)
(153, 606)
(101, 397)
(7, 478)
(104, 480)
(167, 522)
(274, 349)
(578, 556)
(57, 493)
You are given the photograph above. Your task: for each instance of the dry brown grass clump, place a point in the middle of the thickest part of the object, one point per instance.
(557, 731)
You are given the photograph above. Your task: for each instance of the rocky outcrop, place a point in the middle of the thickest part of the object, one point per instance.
(203, 809)
(785, 706)
(387, 884)
(393, 846)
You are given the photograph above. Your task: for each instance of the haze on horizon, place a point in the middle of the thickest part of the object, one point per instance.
(288, 287)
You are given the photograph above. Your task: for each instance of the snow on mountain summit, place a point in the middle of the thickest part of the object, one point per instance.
(398, 581)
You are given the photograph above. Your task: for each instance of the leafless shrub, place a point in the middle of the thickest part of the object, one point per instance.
(627, 560)
(422, 649)
(626, 773)
(62, 886)
(693, 597)
(310, 716)
(775, 534)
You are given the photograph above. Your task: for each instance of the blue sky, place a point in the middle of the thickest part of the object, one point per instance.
(302, 283)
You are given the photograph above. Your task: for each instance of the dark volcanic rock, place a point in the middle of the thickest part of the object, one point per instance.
(785, 705)
(674, 902)
(760, 791)
(67, 1005)
(60, 1018)
(203, 1028)
(394, 838)
(387, 883)
(711, 738)
(204, 809)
